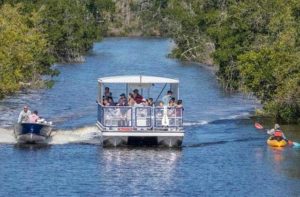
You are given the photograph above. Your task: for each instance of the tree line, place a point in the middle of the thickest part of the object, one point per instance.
(255, 44)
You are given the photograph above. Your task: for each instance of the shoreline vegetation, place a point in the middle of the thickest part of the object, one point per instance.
(253, 46)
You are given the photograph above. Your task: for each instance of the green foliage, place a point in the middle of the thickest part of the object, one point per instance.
(256, 46)
(24, 52)
(35, 34)
(71, 28)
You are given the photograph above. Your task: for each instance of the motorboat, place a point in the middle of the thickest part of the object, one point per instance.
(140, 124)
(33, 133)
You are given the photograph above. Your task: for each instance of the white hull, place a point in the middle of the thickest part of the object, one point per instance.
(155, 137)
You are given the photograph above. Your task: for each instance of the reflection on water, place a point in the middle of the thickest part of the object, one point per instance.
(285, 160)
(148, 165)
(276, 154)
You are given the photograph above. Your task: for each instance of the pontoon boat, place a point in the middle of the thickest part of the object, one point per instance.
(139, 124)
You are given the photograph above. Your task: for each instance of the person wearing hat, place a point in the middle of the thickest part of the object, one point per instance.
(24, 115)
(122, 101)
(276, 132)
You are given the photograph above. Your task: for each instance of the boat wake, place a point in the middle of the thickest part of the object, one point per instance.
(84, 135)
(224, 142)
(195, 123)
(242, 116)
(7, 136)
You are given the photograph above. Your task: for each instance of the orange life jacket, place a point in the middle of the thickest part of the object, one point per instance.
(278, 133)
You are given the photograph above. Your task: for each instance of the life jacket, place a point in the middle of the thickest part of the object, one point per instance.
(278, 133)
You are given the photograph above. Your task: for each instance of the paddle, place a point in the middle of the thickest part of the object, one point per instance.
(260, 127)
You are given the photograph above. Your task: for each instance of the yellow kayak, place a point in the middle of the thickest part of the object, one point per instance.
(276, 143)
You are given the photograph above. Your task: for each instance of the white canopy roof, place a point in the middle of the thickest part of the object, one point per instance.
(137, 79)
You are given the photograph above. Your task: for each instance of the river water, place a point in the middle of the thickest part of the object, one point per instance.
(222, 154)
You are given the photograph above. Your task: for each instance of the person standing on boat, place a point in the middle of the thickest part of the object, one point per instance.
(166, 99)
(24, 115)
(107, 92)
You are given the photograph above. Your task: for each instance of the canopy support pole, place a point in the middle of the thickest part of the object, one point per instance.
(161, 92)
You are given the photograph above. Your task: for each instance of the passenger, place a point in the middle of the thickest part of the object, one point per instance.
(167, 98)
(172, 102)
(179, 108)
(107, 92)
(161, 104)
(105, 102)
(179, 104)
(111, 101)
(150, 102)
(24, 115)
(131, 101)
(137, 97)
(145, 102)
(123, 100)
(33, 118)
(276, 133)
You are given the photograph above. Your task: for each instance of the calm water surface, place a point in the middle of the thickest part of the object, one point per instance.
(222, 154)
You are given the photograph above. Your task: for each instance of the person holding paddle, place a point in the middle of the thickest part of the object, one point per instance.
(273, 131)
(277, 132)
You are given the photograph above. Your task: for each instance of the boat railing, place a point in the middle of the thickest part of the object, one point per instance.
(116, 118)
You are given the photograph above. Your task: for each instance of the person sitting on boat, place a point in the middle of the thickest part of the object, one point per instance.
(166, 99)
(276, 133)
(111, 101)
(107, 92)
(33, 118)
(122, 101)
(161, 104)
(179, 104)
(131, 101)
(105, 102)
(172, 102)
(150, 102)
(24, 115)
(144, 102)
(137, 97)
(179, 108)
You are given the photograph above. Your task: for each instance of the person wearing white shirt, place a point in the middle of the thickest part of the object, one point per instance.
(24, 115)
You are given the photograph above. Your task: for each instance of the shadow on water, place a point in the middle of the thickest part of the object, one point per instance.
(150, 148)
(32, 146)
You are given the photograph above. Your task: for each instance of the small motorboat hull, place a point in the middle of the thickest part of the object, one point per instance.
(32, 133)
(276, 143)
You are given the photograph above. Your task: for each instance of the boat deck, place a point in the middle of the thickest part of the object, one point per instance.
(119, 125)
